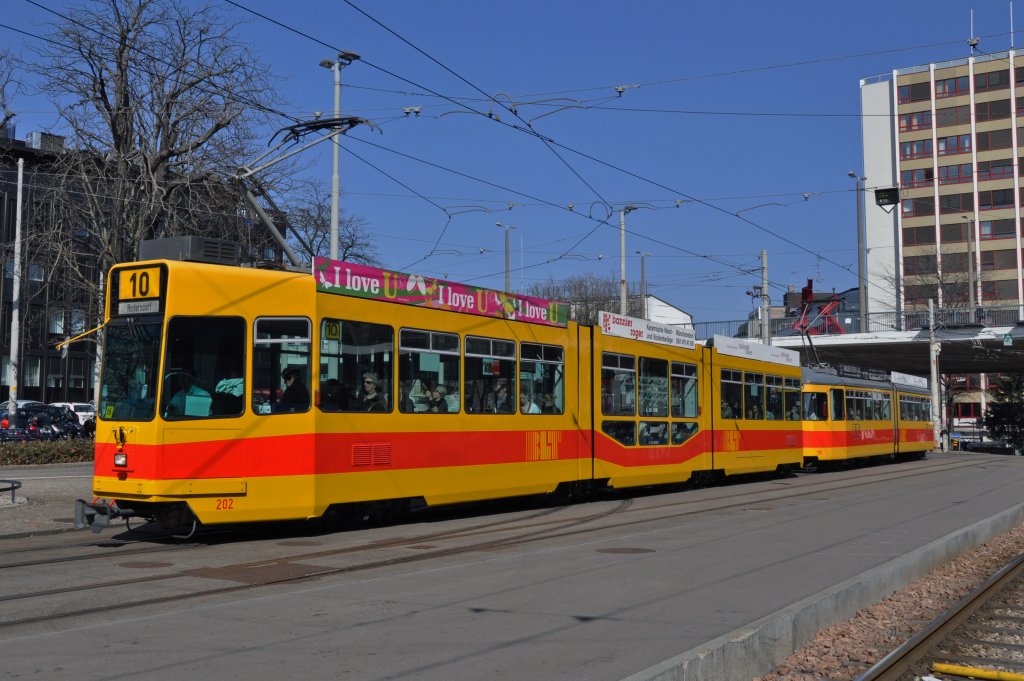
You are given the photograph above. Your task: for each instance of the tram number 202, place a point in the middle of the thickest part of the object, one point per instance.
(225, 504)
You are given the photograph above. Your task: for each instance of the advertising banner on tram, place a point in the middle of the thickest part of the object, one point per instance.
(646, 330)
(362, 281)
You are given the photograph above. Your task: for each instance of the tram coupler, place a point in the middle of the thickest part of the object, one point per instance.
(96, 516)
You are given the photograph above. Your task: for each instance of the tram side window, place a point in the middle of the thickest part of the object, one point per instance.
(837, 404)
(490, 381)
(428, 372)
(883, 407)
(753, 395)
(203, 368)
(854, 405)
(653, 389)
(618, 385)
(131, 365)
(355, 365)
(281, 365)
(684, 390)
(732, 394)
(815, 406)
(792, 399)
(541, 378)
(623, 432)
(653, 433)
(774, 398)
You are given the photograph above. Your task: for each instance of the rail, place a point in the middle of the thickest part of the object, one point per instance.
(895, 664)
(11, 486)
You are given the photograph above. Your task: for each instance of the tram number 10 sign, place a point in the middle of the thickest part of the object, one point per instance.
(138, 290)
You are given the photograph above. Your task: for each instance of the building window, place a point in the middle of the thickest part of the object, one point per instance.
(916, 178)
(993, 80)
(55, 323)
(997, 229)
(916, 149)
(954, 262)
(916, 236)
(996, 198)
(915, 207)
(953, 115)
(955, 174)
(993, 139)
(954, 144)
(918, 120)
(952, 87)
(967, 410)
(919, 293)
(958, 203)
(919, 264)
(990, 111)
(999, 290)
(955, 294)
(954, 233)
(914, 93)
(993, 170)
(1005, 259)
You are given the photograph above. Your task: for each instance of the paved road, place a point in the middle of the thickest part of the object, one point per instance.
(45, 502)
(600, 606)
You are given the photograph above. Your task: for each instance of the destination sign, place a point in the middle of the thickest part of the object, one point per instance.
(645, 330)
(362, 281)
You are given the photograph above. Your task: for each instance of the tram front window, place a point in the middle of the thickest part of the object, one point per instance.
(204, 368)
(131, 358)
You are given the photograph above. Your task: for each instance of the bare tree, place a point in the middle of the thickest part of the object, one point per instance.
(160, 101)
(7, 87)
(310, 220)
(587, 295)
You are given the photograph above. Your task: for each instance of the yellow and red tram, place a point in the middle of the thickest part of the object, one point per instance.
(232, 395)
(850, 418)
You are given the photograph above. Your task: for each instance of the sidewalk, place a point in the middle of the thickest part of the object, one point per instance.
(45, 502)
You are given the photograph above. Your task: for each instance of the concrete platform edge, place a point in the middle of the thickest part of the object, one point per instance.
(761, 646)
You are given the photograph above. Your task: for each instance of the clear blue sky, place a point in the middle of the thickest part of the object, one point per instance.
(726, 106)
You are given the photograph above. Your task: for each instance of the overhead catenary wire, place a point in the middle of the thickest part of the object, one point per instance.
(271, 110)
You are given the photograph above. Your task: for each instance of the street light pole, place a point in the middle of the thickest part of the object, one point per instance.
(643, 284)
(344, 59)
(860, 253)
(508, 283)
(622, 258)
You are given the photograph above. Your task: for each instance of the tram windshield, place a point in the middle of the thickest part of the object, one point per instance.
(131, 358)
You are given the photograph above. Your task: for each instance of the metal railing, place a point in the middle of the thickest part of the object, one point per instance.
(849, 322)
(10, 486)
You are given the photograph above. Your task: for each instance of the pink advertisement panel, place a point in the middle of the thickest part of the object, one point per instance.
(362, 281)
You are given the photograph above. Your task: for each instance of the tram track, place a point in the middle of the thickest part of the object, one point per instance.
(980, 636)
(518, 531)
(142, 545)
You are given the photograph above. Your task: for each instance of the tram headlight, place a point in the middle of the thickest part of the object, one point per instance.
(120, 459)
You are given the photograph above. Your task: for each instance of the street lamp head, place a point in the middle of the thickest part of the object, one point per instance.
(327, 63)
(347, 58)
(852, 174)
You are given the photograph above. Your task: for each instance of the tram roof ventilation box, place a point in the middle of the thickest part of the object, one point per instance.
(191, 249)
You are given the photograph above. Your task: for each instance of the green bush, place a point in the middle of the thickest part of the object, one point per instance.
(59, 451)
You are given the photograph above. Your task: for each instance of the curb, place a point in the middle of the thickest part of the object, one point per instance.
(759, 647)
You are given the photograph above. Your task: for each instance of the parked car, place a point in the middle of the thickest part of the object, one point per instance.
(83, 410)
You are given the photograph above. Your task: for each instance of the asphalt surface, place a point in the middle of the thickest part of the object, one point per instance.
(699, 596)
(44, 503)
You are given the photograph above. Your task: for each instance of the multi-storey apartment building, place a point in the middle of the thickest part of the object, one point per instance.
(947, 135)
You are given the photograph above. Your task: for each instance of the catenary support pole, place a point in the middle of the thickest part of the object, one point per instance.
(12, 400)
(766, 309)
(933, 362)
